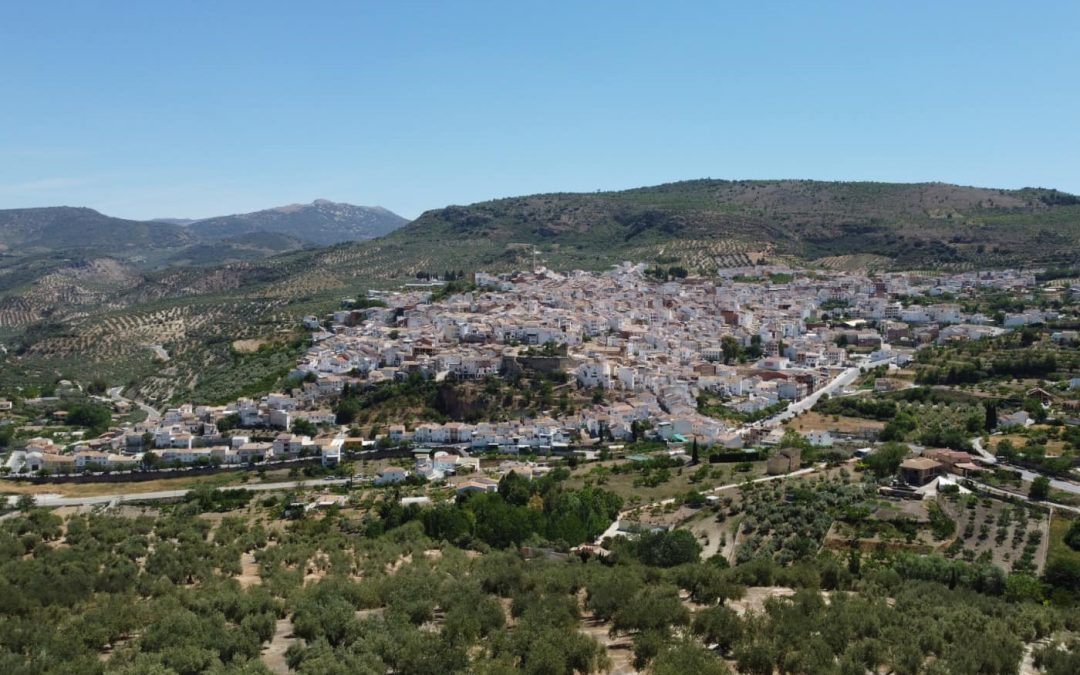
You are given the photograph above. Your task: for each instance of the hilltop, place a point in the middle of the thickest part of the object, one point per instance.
(65, 228)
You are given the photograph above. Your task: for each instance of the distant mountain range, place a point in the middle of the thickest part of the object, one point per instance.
(321, 222)
(35, 232)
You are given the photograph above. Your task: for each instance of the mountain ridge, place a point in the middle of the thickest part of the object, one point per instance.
(322, 222)
(905, 222)
(60, 228)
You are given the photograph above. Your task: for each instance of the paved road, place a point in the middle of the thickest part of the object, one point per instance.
(839, 382)
(1057, 484)
(152, 415)
(976, 443)
(59, 500)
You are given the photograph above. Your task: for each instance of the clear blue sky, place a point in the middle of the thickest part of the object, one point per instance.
(192, 109)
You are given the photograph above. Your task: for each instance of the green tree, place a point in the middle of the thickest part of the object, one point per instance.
(653, 608)
(718, 626)
(93, 416)
(610, 590)
(730, 348)
(991, 420)
(668, 549)
(1072, 537)
(684, 658)
(1040, 489)
(886, 460)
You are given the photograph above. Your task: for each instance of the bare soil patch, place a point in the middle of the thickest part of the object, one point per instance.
(249, 570)
(273, 654)
(248, 346)
(755, 597)
(812, 421)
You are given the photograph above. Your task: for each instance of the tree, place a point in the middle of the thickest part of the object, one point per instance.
(730, 347)
(1021, 587)
(886, 460)
(1040, 489)
(347, 410)
(1063, 572)
(611, 590)
(694, 452)
(756, 658)
(668, 549)
(655, 608)
(991, 421)
(755, 351)
(718, 626)
(91, 415)
(1034, 407)
(304, 427)
(25, 503)
(1072, 537)
(687, 657)
(229, 422)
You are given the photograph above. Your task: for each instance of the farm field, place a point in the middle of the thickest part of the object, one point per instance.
(230, 479)
(814, 421)
(1010, 536)
(1055, 447)
(682, 480)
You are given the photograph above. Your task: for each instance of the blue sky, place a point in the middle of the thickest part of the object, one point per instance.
(193, 109)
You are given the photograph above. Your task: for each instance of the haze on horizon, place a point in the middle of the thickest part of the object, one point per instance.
(145, 110)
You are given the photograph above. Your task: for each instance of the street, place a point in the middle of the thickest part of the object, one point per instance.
(839, 382)
(1064, 486)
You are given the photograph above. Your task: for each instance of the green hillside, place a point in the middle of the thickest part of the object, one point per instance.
(913, 225)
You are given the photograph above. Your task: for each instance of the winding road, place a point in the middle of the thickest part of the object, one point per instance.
(152, 415)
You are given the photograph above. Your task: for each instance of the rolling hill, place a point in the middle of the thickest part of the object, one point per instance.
(91, 317)
(908, 225)
(64, 228)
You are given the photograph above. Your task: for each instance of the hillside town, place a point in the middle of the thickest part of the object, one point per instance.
(767, 341)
